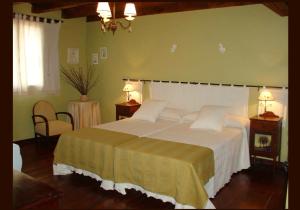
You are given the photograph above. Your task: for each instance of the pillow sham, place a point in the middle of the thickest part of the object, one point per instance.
(190, 117)
(210, 117)
(172, 114)
(149, 110)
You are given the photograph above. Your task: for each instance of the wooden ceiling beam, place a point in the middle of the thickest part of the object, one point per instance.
(52, 6)
(150, 8)
(77, 8)
(90, 10)
(281, 8)
(80, 11)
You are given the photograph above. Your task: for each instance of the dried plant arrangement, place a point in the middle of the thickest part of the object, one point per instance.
(82, 80)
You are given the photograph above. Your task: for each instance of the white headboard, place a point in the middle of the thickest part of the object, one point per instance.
(192, 97)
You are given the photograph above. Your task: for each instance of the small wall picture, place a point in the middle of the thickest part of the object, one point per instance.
(263, 142)
(95, 58)
(73, 56)
(103, 52)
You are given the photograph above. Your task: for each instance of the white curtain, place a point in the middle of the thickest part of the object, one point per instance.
(35, 55)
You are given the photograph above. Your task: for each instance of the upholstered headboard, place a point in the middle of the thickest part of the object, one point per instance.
(192, 97)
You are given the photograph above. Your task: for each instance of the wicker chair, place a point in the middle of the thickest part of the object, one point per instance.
(46, 122)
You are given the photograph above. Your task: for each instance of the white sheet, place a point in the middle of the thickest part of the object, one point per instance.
(138, 127)
(231, 151)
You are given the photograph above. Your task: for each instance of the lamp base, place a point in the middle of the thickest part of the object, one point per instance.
(268, 114)
(132, 101)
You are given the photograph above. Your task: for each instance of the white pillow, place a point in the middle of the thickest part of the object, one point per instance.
(190, 117)
(236, 121)
(172, 114)
(211, 118)
(149, 110)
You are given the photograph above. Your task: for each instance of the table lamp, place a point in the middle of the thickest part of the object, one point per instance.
(266, 96)
(128, 88)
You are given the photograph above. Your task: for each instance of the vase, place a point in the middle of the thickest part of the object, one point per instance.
(84, 98)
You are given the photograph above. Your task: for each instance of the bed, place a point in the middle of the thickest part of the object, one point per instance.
(90, 151)
(229, 148)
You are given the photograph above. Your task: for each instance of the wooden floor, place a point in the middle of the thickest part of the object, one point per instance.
(258, 187)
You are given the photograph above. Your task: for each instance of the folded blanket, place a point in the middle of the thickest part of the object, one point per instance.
(90, 149)
(169, 168)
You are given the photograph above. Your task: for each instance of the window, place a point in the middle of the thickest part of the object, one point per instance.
(35, 55)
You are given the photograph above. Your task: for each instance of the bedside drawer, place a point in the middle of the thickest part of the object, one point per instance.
(127, 111)
(264, 126)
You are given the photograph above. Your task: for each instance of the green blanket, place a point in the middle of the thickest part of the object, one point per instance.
(90, 149)
(168, 168)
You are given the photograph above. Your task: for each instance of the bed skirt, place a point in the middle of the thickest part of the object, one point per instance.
(62, 169)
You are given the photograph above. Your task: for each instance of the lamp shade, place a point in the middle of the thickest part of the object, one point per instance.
(103, 9)
(128, 88)
(265, 96)
(129, 11)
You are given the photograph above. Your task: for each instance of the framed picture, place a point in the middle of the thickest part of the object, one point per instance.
(263, 142)
(73, 56)
(95, 58)
(103, 52)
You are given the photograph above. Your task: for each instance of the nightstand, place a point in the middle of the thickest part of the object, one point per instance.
(126, 109)
(265, 138)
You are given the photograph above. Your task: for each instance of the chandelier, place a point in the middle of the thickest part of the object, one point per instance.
(108, 24)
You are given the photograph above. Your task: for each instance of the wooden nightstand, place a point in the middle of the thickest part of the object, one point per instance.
(126, 109)
(265, 138)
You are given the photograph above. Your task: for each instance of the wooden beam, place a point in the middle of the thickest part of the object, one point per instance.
(90, 10)
(150, 8)
(281, 8)
(52, 6)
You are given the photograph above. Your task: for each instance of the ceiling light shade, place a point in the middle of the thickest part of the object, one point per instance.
(105, 13)
(103, 9)
(129, 11)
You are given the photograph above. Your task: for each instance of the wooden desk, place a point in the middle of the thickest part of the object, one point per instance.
(29, 193)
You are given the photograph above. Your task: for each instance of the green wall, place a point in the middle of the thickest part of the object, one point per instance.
(73, 35)
(255, 38)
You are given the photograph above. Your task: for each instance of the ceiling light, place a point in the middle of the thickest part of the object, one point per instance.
(105, 14)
